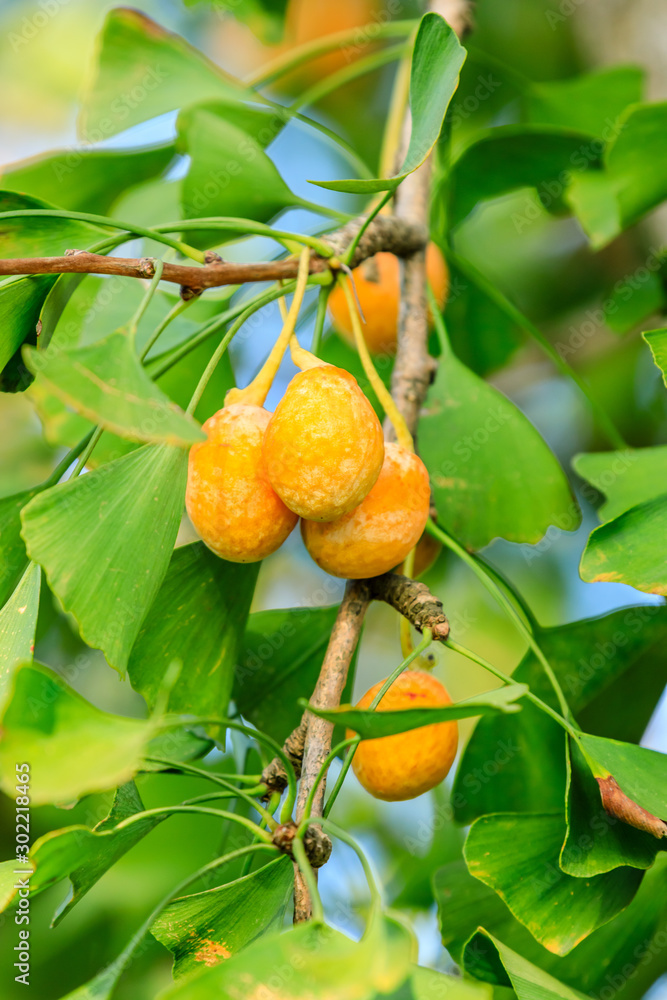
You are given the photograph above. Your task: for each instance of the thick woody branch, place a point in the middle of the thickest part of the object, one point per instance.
(413, 371)
(329, 687)
(410, 598)
(396, 236)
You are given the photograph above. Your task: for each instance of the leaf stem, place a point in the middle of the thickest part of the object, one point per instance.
(343, 835)
(499, 595)
(360, 67)
(64, 464)
(326, 763)
(252, 308)
(393, 131)
(87, 452)
(251, 228)
(218, 780)
(349, 253)
(320, 319)
(289, 61)
(267, 741)
(145, 302)
(103, 220)
(175, 311)
(204, 810)
(166, 361)
(470, 655)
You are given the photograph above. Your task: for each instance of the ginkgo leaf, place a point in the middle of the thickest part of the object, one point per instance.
(107, 383)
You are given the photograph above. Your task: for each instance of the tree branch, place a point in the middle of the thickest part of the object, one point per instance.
(413, 371)
(329, 687)
(385, 233)
(413, 600)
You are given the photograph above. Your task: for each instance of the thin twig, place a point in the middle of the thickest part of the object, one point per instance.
(383, 234)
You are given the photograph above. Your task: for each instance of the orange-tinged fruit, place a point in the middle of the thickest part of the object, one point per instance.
(307, 21)
(229, 498)
(380, 532)
(323, 447)
(377, 281)
(401, 767)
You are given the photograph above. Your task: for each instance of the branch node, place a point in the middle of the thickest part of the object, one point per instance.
(188, 293)
(146, 267)
(274, 775)
(413, 600)
(316, 842)
(211, 257)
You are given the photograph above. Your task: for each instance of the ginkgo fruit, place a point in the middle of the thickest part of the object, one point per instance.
(378, 534)
(229, 498)
(377, 283)
(323, 448)
(403, 766)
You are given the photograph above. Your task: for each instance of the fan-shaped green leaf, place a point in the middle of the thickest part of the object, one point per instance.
(612, 670)
(517, 855)
(591, 102)
(436, 63)
(597, 842)
(198, 618)
(106, 383)
(105, 540)
(86, 180)
(46, 723)
(626, 478)
(657, 341)
(142, 71)
(229, 175)
(641, 773)
(311, 960)
(487, 956)
(492, 473)
(633, 180)
(208, 927)
(630, 549)
(536, 156)
(629, 950)
(18, 620)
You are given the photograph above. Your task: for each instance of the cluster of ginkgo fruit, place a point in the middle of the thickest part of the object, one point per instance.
(363, 502)
(320, 456)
